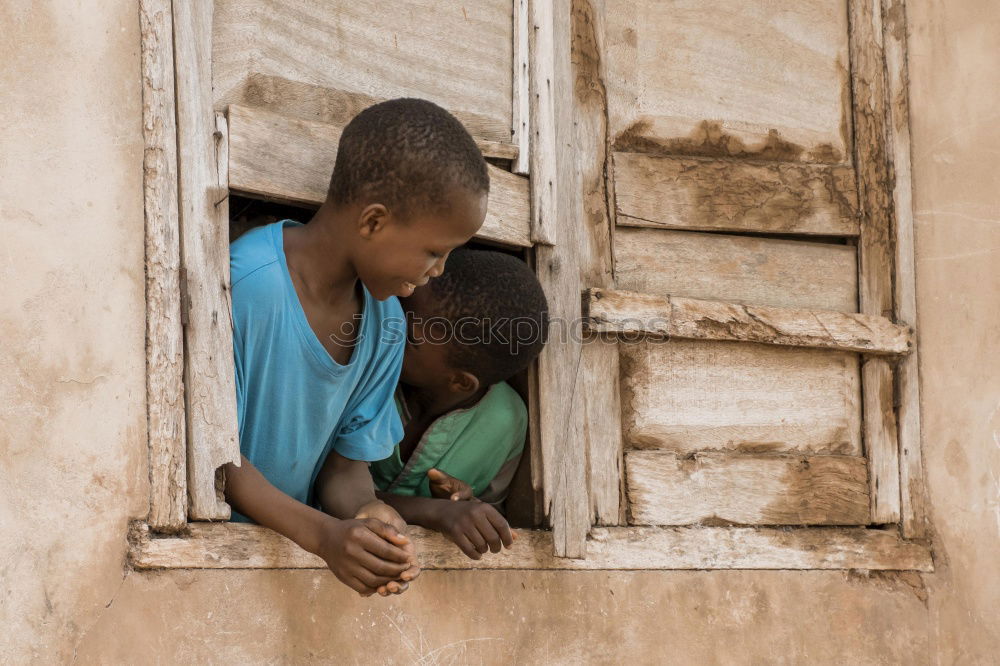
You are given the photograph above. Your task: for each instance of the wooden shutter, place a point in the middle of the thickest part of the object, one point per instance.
(750, 201)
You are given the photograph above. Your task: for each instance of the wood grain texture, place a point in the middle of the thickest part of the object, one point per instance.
(543, 90)
(242, 546)
(633, 314)
(740, 78)
(376, 49)
(591, 160)
(709, 488)
(726, 195)
(333, 107)
(164, 333)
(913, 507)
(875, 246)
(561, 380)
(521, 107)
(738, 269)
(290, 159)
(204, 215)
(603, 430)
(687, 396)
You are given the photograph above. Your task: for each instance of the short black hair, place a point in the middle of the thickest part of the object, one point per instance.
(406, 153)
(495, 310)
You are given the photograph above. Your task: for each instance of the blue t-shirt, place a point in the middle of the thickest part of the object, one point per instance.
(295, 403)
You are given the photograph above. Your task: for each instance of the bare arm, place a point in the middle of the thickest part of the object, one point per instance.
(423, 511)
(345, 489)
(248, 492)
(363, 554)
(474, 526)
(344, 486)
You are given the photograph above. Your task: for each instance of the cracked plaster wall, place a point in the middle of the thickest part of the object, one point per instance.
(72, 425)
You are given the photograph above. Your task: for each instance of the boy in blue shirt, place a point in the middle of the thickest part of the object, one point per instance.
(481, 322)
(319, 335)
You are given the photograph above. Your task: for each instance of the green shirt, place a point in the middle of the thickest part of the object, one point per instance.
(480, 445)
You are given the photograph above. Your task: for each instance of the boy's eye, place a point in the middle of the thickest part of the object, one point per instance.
(436, 255)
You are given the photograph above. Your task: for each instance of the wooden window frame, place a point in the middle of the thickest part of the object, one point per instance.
(188, 316)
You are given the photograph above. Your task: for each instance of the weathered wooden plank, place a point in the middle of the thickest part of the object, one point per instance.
(876, 245)
(242, 546)
(913, 498)
(687, 396)
(520, 130)
(164, 333)
(603, 430)
(292, 159)
(380, 50)
(542, 87)
(732, 79)
(312, 103)
(633, 314)
(204, 215)
(708, 488)
(738, 269)
(599, 360)
(561, 402)
(880, 438)
(726, 195)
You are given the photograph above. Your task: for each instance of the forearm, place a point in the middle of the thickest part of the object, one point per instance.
(344, 486)
(423, 511)
(249, 493)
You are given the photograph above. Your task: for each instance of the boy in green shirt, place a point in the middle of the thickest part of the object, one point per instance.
(481, 322)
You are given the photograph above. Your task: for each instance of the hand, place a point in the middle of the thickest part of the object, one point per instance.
(364, 554)
(445, 486)
(474, 526)
(383, 512)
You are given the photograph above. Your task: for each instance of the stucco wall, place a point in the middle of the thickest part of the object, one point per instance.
(72, 421)
(72, 387)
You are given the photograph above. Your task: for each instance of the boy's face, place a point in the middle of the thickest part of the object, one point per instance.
(400, 255)
(425, 361)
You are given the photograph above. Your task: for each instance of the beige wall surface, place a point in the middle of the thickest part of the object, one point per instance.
(72, 427)
(955, 101)
(72, 387)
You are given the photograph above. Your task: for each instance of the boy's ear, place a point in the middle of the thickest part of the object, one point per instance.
(372, 219)
(463, 382)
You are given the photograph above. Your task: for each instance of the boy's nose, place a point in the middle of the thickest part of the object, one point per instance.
(438, 267)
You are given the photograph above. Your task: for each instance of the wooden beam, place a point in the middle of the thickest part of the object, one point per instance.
(740, 269)
(726, 195)
(542, 82)
(743, 489)
(630, 313)
(561, 371)
(290, 159)
(876, 246)
(595, 217)
(520, 129)
(913, 495)
(164, 333)
(242, 546)
(213, 439)
(330, 106)
(688, 396)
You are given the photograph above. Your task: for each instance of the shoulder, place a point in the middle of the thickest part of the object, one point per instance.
(259, 279)
(502, 405)
(253, 252)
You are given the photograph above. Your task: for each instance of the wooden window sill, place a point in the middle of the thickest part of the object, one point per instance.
(241, 546)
